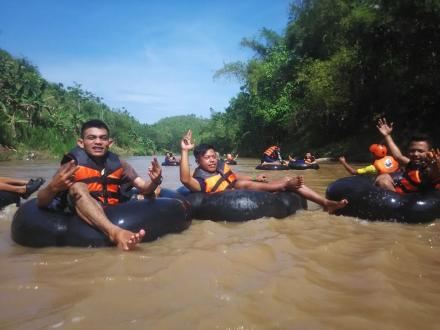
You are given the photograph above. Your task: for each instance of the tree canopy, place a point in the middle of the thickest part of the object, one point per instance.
(319, 86)
(337, 68)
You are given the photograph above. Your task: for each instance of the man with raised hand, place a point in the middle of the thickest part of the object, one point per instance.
(213, 175)
(417, 176)
(91, 177)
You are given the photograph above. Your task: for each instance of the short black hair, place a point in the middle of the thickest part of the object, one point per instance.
(201, 149)
(421, 137)
(95, 123)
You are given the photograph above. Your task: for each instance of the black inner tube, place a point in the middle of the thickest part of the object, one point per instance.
(272, 167)
(239, 205)
(367, 201)
(37, 227)
(7, 197)
(301, 165)
(170, 164)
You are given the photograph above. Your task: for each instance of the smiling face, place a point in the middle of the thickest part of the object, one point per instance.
(418, 150)
(208, 161)
(95, 142)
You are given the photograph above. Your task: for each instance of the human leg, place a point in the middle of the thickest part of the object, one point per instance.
(92, 212)
(296, 185)
(12, 181)
(328, 205)
(385, 181)
(273, 186)
(12, 188)
(266, 160)
(21, 187)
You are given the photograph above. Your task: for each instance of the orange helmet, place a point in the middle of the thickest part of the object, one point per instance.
(379, 150)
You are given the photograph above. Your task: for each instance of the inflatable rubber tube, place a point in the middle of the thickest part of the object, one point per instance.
(32, 226)
(301, 165)
(7, 197)
(170, 164)
(239, 205)
(367, 201)
(272, 167)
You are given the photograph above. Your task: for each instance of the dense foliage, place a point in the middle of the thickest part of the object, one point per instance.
(339, 66)
(320, 86)
(167, 132)
(41, 116)
(38, 115)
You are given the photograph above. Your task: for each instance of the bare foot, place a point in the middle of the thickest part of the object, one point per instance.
(294, 184)
(127, 240)
(332, 206)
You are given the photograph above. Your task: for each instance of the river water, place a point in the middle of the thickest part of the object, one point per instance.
(308, 271)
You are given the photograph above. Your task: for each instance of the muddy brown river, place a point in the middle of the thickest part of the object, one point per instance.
(308, 271)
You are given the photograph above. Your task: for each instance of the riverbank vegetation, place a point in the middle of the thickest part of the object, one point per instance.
(39, 119)
(41, 116)
(337, 68)
(321, 85)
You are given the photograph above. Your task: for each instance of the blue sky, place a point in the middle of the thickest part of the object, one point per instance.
(154, 58)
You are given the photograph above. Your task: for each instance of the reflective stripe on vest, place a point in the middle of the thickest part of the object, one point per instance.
(409, 183)
(220, 180)
(270, 151)
(102, 183)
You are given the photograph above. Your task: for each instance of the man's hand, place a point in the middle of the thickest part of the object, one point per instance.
(187, 143)
(383, 127)
(155, 172)
(433, 168)
(64, 178)
(342, 159)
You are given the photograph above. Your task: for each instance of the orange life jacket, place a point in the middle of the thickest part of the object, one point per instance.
(414, 181)
(272, 152)
(102, 183)
(386, 164)
(222, 179)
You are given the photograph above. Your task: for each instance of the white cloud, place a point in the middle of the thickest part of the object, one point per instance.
(173, 78)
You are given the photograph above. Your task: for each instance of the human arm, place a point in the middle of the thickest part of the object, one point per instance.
(63, 179)
(386, 129)
(185, 176)
(155, 174)
(370, 169)
(349, 169)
